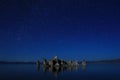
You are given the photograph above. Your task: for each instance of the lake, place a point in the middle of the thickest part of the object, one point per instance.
(92, 71)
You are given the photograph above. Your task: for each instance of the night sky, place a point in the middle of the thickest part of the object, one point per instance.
(71, 29)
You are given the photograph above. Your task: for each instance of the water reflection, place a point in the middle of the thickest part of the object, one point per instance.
(92, 72)
(84, 68)
(56, 70)
(38, 67)
(44, 70)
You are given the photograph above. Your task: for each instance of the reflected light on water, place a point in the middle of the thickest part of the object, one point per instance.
(56, 70)
(83, 68)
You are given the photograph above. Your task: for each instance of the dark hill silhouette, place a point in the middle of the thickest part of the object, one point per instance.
(106, 61)
(7, 62)
(30, 62)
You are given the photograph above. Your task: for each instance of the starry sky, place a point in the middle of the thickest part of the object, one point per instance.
(70, 29)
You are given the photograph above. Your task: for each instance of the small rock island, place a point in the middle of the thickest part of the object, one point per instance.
(56, 62)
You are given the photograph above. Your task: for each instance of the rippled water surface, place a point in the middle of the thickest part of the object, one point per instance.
(33, 72)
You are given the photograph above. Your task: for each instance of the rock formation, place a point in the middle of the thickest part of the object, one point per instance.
(56, 62)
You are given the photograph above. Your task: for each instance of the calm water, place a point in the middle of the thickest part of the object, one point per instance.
(31, 72)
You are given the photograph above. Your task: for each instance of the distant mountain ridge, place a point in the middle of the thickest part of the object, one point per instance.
(17, 62)
(30, 62)
(106, 61)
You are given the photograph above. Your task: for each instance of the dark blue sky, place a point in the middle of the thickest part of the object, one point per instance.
(71, 29)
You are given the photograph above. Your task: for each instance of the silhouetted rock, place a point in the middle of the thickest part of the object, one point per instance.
(60, 63)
